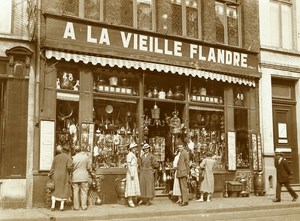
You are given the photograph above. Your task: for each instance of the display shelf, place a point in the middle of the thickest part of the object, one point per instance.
(164, 100)
(116, 96)
(207, 99)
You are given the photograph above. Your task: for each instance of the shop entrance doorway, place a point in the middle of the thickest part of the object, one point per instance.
(284, 126)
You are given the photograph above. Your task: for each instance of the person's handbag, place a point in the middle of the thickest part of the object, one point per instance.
(50, 185)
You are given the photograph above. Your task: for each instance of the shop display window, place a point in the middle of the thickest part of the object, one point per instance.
(206, 91)
(240, 96)
(242, 137)
(115, 128)
(68, 79)
(207, 133)
(67, 129)
(161, 86)
(115, 82)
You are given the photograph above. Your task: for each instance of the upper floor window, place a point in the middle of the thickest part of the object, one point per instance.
(281, 23)
(174, 17)
(177, 17)
(227, 23)
(5, 16)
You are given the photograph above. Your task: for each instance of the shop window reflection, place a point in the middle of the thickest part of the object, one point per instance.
(242, 137)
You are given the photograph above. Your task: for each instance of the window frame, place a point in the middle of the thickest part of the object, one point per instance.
(280, 5)
(81, 14)
(227, 3)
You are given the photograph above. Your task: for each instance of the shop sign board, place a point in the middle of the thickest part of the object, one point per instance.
(111, 40)
(47, 139)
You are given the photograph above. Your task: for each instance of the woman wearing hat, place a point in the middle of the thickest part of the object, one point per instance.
(147, 164)
(132, 188)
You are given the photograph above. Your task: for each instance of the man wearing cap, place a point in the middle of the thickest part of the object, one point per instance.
(183, 169)
(132, 188)
(283, 172)
(147, 165)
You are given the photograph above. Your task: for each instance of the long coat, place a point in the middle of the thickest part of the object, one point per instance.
(283, 171)
(147, 163)
(60, 173)
(183, 165)
(132, 186)
(208, 184)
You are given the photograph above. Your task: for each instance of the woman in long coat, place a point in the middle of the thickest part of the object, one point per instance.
(60, 173)
(207, 185)
(147, 164)
(132, 188)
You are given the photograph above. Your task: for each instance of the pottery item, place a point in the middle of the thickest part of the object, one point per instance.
(120, 188)
(178, 95)
(113, 81)
(202, 91)
(155, 92)
(169, 95)
(162, 94)
(109, 109)
(125, 81)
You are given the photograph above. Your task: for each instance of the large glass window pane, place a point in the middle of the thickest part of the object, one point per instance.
(5, 16)
(242, 140)
(192, 18)
(274, 24)
(144, 14)
(232, 25)
(176, 17)
(71, 7)
(287, 39)
(91, 9)
(220, 22)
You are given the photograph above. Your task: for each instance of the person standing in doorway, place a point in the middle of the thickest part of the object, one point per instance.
(283, 171)
(176, 185)
(207, 185)
(147, 165)
(183, 169)
(132, 188)
(60, 173)
(82, 165)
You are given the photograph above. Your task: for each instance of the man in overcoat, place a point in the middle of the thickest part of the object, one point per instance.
(283, 171)
(183, 169)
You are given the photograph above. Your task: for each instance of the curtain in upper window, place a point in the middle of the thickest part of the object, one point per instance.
(227, 23)
(281, 25)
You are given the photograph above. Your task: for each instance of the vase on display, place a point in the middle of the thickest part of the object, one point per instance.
(202, 91)
(98, 200)
(162, 94)
(125, 82)
(120, 185)
(113, 81)
(169, 95)
(178, 95)
(155, 92)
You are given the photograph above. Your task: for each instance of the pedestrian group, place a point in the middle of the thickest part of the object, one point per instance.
(67, 171)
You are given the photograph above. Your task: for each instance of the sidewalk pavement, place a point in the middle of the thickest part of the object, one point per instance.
(161, 207)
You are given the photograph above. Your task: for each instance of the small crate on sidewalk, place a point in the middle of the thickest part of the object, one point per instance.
(233, 188)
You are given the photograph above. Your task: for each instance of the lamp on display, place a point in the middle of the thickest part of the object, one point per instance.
(154, 120)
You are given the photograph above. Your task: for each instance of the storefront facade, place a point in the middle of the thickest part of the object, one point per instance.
(17, 87)
(279, 107)
(104, 86)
